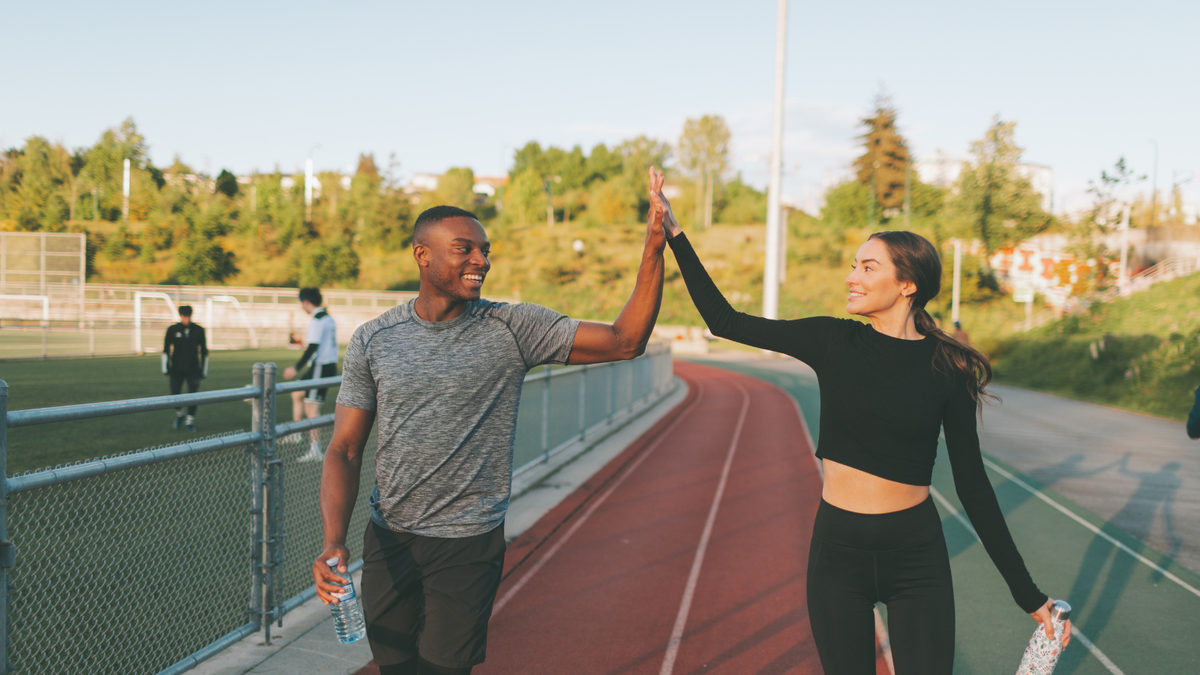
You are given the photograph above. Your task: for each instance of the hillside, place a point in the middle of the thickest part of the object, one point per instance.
(1140, 353)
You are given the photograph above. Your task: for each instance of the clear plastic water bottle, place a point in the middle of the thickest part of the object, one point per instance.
(347, 613)
(1041, 655)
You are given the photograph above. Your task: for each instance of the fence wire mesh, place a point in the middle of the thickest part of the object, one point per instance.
(301, 535)
(136, 568)
(126, 571)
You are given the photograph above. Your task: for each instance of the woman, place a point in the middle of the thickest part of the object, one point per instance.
(887, 388)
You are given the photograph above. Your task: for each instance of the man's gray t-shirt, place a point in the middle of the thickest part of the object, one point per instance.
(445, 396)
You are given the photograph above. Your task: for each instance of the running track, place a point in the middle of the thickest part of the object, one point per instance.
(686, 553)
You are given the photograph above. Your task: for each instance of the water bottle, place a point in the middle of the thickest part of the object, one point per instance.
(1042, 653)
(348, 619)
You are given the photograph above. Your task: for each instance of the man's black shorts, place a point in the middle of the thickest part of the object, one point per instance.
(428, 596)
(323, 370)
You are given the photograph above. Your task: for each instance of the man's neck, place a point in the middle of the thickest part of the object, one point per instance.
(434, 309)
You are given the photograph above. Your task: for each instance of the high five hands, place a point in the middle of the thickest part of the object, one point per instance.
(661, 215)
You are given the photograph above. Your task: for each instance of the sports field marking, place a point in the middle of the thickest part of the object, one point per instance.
(512, 592)
(1067, 512)
(1076, 634)
(689, 591)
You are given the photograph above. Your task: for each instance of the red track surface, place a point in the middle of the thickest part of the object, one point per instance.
(685, 554)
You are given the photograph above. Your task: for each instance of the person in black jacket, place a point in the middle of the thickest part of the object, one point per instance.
(185, 359)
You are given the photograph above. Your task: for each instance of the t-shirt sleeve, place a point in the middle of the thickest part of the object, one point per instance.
(806, 339)
(358, 385)
(542, 334)
(979, 499)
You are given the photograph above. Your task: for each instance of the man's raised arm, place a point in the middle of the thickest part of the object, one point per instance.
(626, 337)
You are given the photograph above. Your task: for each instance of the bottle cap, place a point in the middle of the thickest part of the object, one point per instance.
(1061, 611)
(332, 562)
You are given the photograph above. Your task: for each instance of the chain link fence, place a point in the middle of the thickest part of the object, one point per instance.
(153, 560)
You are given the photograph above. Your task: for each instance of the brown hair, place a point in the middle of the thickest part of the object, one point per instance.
(916, 260)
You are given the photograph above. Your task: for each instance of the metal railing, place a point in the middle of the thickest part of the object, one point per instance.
(155, 560)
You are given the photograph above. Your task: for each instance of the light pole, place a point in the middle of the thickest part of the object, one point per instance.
(308, 183)
(1154, 185)
(774, 225)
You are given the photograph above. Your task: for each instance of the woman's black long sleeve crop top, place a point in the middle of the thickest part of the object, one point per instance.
(883, 405)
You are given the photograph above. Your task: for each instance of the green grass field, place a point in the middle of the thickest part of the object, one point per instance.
(55, 382)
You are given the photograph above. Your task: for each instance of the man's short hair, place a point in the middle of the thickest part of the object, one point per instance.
(185, 310)
(311, 294)
(434, 214)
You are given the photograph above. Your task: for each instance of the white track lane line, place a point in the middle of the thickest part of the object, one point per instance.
(1076, 634)
(685, 604)
(508, 596)
(1068, 513)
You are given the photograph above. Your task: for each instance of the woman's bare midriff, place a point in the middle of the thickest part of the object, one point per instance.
(855, 490)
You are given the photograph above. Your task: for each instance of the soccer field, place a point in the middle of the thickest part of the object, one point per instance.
(54, 382)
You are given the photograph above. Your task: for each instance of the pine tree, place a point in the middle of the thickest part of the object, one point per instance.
(885, 159)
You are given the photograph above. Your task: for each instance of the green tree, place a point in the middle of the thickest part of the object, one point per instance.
(602, 164)
(456, 187)
(201, 260)
(323, 264)
(226, 184)
(1110, 199)
(847, 206)
(610, 202)
(741, 204)
(104, 165)
(704, 152)
(885, 159)
(524, 198)
(992, 200)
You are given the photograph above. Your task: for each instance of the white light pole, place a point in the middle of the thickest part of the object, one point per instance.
(125, 192)
(308, 187)
(771, 273)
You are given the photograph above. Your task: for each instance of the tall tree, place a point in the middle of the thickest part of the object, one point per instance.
(885, 158)
(994, 201)
(704, 152)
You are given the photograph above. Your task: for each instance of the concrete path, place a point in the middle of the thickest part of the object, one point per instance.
(1137, 472)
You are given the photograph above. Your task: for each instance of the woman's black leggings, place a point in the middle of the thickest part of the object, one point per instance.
(899, 559)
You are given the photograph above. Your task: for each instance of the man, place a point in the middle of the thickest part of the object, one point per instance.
(320, 358)
(185, 359)
(442, 374)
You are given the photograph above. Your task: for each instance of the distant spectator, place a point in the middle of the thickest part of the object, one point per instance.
(185, 359)
(960, 336)
(320, 358)
(1193, 423)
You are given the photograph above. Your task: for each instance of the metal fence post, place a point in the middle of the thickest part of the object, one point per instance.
(256, 500)
(583, 401)
(546, 414)
(271, 502)
(6, 548)
(274, 502)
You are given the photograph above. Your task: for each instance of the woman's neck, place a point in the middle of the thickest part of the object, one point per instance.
(897, 324)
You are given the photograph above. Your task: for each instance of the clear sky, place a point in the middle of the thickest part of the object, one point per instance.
(260, 85)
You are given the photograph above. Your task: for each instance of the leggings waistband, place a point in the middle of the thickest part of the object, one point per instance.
(878, 531)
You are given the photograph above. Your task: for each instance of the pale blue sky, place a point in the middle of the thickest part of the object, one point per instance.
(255, 85)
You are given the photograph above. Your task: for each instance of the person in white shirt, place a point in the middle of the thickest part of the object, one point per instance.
(318, 360)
